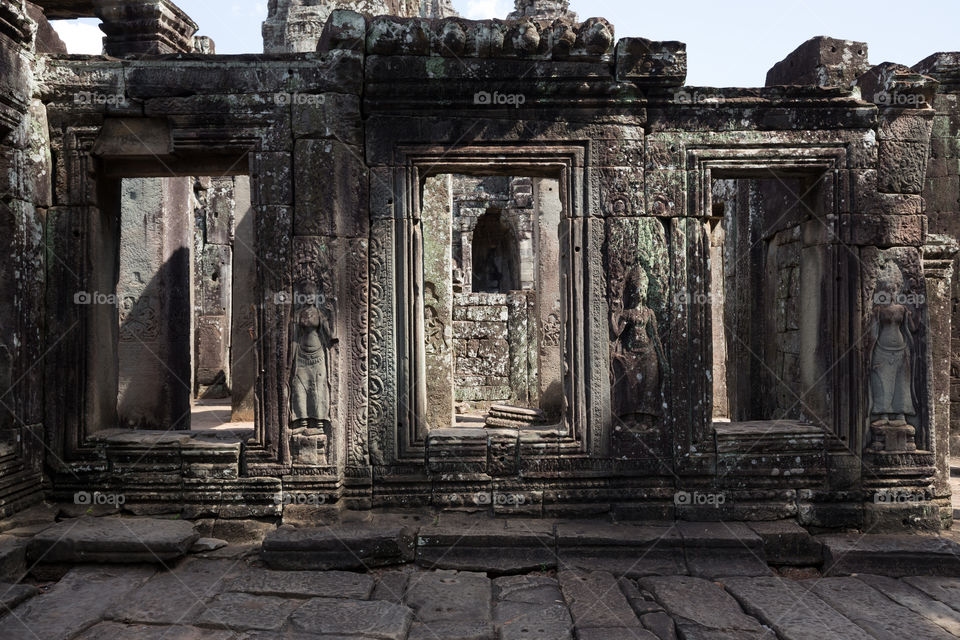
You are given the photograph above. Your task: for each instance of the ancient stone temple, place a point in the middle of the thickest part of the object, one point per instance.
(405, 259)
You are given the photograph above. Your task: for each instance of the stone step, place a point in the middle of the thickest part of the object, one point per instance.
(13, 558)
(496, 546)
(113, 540)
(890, 555)
(515, 545)
(357, 546)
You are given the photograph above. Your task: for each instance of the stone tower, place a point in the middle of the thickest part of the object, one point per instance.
(543, 10)
(294, 26)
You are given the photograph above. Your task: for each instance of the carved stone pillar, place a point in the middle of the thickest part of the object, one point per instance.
(144, 27)
(438, 298)
(938, 257)
(900, 466)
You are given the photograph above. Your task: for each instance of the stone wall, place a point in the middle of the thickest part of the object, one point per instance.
(25, 201)
(482, 347)
(339, 236)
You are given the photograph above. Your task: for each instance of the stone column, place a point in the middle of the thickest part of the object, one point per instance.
(214, 324)
(900, 470)
(938, 257)
(548, 209)
(243, 353)
(437, 217)
(154, 293)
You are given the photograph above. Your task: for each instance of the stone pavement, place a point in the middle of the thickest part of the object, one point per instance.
(594, 581)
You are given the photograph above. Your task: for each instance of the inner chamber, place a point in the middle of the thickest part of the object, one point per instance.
(491, 299)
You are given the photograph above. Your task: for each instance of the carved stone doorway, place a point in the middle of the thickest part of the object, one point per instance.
(491, 297)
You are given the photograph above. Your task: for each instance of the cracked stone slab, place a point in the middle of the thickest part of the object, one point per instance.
(330, 616)
(13, 558)
(112, 540)
(614, 633)
(660, 624)
(13, 594)
(531, 589)
(703, 609)
(595, 600)
(890, 555)
(642, 602)
(945, 590)
(792, 610)
(525, 621)
(303, 584)
(296, 635)
(874, 612)
(78, 601)
(347, 546)
(245, 612)
(119, 631)
(450, 595)
(452, 631)
(392, 586)
(916, 600)
(178, 596)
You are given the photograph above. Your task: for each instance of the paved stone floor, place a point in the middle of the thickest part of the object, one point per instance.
(597, 581)
(216, 597)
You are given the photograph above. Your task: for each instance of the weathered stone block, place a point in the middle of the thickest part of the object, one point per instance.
(645, 62)
(272, 175)
(346, 547)
(906, 126)
(330, 179)
(152, 26)
(328, 115)
(666, 193)
(823, 62)
(327, 616)
(113, 540)
(902, 166)
(343, 30)
(890, 555)
(883, 230)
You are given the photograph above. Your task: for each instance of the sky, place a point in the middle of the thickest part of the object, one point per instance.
(729, 44)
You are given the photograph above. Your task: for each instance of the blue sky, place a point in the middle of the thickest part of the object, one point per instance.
(729, 43)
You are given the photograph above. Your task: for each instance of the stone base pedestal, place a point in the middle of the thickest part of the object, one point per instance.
(898, 492)
(308, 446)
(898, 437)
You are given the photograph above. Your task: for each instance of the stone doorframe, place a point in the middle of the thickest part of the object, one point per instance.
(832, 159)
(81, 235)
(397, 384)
